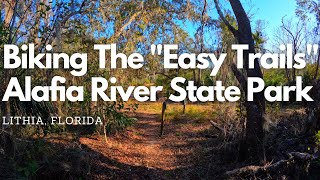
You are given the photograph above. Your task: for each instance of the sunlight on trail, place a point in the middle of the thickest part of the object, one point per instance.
(141, 146)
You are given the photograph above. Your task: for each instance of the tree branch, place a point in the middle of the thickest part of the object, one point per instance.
(317, 69)
(240, 77)
(132, 18)
(163, 74)
(221, 15)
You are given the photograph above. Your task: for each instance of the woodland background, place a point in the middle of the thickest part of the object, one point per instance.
(198, 140)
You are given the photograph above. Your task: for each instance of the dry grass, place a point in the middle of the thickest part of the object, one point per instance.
(197, 112)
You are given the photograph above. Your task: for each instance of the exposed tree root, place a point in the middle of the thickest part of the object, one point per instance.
(297, 163)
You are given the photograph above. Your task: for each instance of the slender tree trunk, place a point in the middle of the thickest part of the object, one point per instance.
(252, 146)
(199, 78)
(8, 8)
(163, 113)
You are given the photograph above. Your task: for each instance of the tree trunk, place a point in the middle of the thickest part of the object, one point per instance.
(252, 146)
(199, 78)
(163, 113)
(8, 9)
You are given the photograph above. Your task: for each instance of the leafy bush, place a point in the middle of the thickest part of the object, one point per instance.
(275, 77)
(118, 120)
(318, 138)
(309, 73)
(28, 163)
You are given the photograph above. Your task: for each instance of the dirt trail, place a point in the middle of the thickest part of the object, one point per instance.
(139, 152)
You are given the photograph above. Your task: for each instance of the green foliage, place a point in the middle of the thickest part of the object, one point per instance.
(309, 73)
(29, 165)
(259, 40)
(318, 138)
(275, 77)
(30, 169)
(163, 81)
(4, 34)
(208, 81)
(117, 120)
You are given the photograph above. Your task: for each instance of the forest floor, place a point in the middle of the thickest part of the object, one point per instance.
(190, 148)
(140, 153)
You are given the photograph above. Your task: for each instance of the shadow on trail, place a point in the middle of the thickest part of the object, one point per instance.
(185, 151)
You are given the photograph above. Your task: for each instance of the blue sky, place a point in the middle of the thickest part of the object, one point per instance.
(269, 11)
(272, 11)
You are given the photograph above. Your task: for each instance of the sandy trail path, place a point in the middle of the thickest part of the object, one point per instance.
(139, 152)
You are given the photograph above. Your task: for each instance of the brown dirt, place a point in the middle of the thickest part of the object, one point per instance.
(139, 152)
